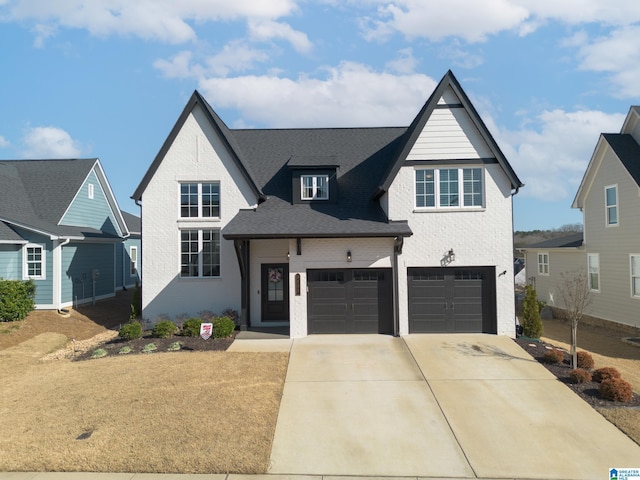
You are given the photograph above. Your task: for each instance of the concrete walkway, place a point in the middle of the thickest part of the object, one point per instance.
(422, 406)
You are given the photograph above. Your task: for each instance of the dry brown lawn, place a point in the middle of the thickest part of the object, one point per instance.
(186, 412)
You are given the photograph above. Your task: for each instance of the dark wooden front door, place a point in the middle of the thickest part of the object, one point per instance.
(275, 292)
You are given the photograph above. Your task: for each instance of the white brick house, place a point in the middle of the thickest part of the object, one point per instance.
(390, 230)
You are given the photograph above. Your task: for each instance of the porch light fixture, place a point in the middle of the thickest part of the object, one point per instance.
(451, 256)
(348, 255)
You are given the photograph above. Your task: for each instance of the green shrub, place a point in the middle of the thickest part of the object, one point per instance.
(531, 322)
(585, 360)
(553, 356)
(605, 373)
(130, 331)
(164, 329)
(616, 390)
(16, 299)
(149, 348)
(579, 375)
(191, 327)
(223, 327)
(124, 350)
(99, 353)
(174, 347)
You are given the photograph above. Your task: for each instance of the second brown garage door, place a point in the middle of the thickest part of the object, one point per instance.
(451, 300)
(350, 301)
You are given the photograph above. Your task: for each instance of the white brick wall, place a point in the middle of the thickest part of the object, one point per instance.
(196, 155)
(331, 253)
(478, 237)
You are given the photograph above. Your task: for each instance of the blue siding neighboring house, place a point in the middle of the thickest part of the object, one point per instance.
(61, 226)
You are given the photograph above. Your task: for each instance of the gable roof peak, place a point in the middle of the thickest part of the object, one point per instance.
(221, 130)
(449, 80)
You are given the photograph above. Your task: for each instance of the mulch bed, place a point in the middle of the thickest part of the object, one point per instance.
(587, 391)
(113, 347)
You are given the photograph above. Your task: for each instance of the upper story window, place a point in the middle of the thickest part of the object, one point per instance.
(543, 263)
(33, 264)
(315, 187)
(593, 261)
(200, 200)
(449, 188)
(611, 200)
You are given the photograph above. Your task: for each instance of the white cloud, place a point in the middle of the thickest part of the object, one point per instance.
(4, 142)
(405, 62)
(551, 153)
(350, 94)
(474, 21)
(461, 56)
(49, 142)
(617, 53)
(265, 30)
(164, 20)
(435, 20)
(236, 56)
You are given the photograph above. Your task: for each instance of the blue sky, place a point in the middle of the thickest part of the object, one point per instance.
(109, 78)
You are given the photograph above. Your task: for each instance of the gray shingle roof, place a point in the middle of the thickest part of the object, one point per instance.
(9, 235)
(36, 193)
(568, 241)
(133, 223)
(627, 150)
(362, 156)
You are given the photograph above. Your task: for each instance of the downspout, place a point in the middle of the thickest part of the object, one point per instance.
(59, 279)
(513, 287)
(397, 250)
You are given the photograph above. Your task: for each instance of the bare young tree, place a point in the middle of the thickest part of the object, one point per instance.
(575, 291)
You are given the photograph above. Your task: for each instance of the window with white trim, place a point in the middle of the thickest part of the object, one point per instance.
(315, 187)
(635, 276)
(449, 187)
(90, 191)
(33, 262)
(200, 200)
(133, 255)
(611, 201)
(543, 263)
(593, 265)
(200, 253)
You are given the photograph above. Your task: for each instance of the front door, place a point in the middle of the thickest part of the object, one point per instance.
(275, 292)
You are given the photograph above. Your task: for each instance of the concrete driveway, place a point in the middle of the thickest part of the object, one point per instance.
(466, 406)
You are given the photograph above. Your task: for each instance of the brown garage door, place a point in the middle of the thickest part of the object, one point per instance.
(452, 300)
(350, 301)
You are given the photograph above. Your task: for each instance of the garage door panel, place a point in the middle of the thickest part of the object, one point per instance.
(349, 301)
(451, 299)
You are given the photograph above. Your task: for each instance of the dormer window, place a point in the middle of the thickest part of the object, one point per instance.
(314, 187)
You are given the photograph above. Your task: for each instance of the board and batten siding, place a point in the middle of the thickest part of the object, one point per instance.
(614, 244)
(449, 134)
(91, 212)
(78, 261)
(197, 154)
(10, 262)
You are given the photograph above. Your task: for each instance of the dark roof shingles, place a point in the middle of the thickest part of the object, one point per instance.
(627, 150)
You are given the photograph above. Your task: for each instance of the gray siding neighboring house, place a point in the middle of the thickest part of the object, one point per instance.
(61, 226)
(609, 197)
